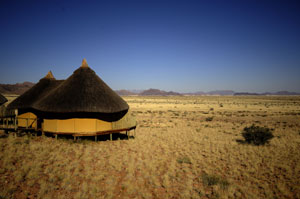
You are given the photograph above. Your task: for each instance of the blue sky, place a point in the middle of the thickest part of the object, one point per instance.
(182, 46)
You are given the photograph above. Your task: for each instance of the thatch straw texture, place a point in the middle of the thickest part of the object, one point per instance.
(25, 102)
(2, 99)
(83, 95)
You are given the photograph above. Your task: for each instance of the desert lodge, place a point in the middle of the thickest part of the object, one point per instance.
(81, 105)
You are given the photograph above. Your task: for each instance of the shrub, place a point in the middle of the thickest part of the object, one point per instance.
(257, 135)
(211, 180)
(208, 119)
(184, 159)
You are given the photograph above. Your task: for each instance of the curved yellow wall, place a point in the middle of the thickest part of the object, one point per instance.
(27, 120)
(87, 126)
(82, 126)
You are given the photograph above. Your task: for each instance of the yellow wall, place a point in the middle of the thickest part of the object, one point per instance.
(22, 120)
(50, 125)
(76, 125)
(82, 126)
(103, 126)
(65, 125)
(85, 125)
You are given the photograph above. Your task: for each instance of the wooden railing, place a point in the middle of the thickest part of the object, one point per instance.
(4, 112)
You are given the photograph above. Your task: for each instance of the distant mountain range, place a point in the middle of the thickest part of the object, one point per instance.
(268, 93)
(20, 88)
(158, 92)
(153, 91)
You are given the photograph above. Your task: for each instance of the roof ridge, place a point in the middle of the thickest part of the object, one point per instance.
(49, 75)
(84, 63)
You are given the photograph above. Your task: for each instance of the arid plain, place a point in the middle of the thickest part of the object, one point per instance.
(185, 147)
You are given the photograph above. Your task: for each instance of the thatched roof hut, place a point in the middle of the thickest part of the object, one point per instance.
(25, 102)
(2, 99)
(82, 95)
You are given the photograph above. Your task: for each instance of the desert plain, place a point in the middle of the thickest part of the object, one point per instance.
(185, 147)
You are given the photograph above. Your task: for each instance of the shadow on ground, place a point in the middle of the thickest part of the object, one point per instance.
(70, 138)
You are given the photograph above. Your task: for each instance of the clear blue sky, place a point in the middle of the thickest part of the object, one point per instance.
(182, 46)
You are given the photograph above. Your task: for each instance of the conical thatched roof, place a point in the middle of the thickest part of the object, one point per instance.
(2, 99)
(26, 101)
(83, 95)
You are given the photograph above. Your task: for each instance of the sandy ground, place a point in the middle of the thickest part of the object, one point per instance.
(186, 147)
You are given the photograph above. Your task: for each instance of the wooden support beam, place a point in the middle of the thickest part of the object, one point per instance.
(110, 136)
(19, 132)
(95, 138)
(16, 118)
(74, 138)
(15, 123)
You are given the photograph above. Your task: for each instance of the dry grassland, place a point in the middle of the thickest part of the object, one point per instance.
(186, 147)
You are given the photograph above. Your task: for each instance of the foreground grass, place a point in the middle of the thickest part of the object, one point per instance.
(177, 153)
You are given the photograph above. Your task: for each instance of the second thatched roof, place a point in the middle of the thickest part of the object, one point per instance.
(82, 95)
(26, 101)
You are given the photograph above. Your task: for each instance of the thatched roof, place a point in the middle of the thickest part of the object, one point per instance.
(25, 101)
(83, 95)
(2, 99)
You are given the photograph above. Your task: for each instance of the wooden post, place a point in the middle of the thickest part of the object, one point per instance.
(15, 123)
(110, 136)
(56, 136)
(95, 138)
(74, 138)
(16, 117)
(19, 132)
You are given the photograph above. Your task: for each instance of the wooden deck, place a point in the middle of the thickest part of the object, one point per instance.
(110, 132)
(13, 128)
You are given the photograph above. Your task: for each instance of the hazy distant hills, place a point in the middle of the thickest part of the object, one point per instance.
(152, 91)
(158, 92)
(149, 92)
(267, 93)
(125, 92)
(20, 88)
(217, 92)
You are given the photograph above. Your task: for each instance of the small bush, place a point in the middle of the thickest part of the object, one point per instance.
(208, 119)
(257, 135)
(184, 159)
(211, 180)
